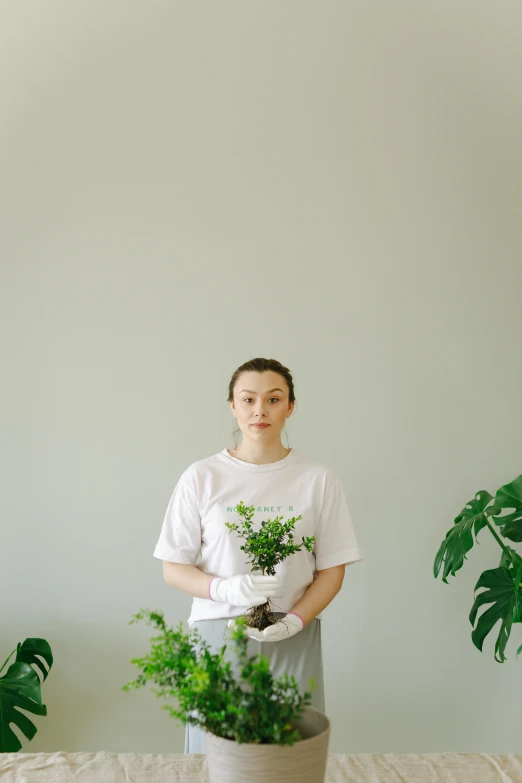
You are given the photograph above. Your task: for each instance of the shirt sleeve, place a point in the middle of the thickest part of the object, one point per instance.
(180, 537)
(335, 540)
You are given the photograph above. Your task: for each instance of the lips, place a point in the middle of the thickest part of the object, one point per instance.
(260, 426)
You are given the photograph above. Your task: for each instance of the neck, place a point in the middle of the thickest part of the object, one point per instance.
(260, 453)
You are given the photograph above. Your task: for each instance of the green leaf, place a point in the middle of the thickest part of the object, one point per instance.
(19, 689)
(459, 540)
(28, 651)
(510, 558)
(510, 496)
(503, 593)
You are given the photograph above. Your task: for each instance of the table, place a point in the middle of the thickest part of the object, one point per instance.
(105, 767)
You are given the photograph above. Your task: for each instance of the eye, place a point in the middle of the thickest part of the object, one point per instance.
(247, 399)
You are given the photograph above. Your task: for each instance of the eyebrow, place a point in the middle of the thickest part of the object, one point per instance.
(268, 392)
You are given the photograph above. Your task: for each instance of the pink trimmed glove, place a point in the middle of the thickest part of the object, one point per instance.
(288, 626)
(243, 589)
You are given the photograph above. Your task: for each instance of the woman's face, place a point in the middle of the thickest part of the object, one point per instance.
(261, 397)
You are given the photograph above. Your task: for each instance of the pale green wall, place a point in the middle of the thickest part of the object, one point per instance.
(188, 185)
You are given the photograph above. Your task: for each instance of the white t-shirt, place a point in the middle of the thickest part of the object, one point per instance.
(206, 496)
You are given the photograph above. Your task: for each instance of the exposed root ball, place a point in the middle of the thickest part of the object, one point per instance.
(260, 617)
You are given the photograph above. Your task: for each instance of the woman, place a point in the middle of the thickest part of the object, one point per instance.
(203, 558)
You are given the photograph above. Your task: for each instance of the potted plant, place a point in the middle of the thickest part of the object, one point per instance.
(503, 583)
(20, 689)
(257, 726)
(266, 548)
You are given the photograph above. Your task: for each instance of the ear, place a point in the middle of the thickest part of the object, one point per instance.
(290, 409)
(233, 409)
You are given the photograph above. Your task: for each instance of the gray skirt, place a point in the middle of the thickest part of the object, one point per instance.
(300, 655)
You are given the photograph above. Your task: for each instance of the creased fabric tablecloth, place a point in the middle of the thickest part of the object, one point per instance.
(105, 767)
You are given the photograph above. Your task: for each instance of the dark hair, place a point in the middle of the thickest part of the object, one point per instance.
(262, 365)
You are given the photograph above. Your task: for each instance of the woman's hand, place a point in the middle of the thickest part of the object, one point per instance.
(243, 589)
(288, 626)
(318, 595)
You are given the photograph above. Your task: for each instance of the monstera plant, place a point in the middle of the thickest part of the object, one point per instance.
(501, 586)
(20, 690)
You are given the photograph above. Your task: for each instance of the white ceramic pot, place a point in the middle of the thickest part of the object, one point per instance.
(302, 762)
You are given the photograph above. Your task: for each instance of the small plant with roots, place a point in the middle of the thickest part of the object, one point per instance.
(266, 548)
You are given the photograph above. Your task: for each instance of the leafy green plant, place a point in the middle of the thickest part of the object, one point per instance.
(266, 548)
(20, 690)
(502, 584)
(250, 706)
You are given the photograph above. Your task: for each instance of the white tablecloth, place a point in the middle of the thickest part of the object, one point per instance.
(105, 767)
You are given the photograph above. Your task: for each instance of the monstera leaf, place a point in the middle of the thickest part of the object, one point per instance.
(502, 585)
(20, 690)
(503, 593)
(459, 540)
(510, 496)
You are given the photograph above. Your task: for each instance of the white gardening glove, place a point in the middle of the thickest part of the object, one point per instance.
(288, 626)
(243, 589)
